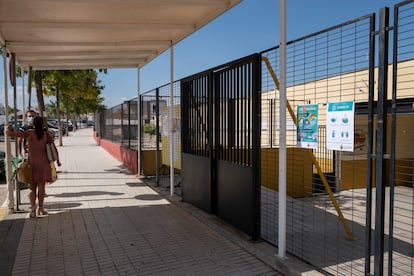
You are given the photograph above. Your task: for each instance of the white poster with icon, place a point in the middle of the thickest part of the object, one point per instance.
(340, 126)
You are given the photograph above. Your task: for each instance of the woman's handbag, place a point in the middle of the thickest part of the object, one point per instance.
(51, 152)
(24, 172)
(54, 173)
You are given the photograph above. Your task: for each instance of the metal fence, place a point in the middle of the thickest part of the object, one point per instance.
(399, 223)
(163, 165)
(333, 194)
(119, 124)
(328, 66)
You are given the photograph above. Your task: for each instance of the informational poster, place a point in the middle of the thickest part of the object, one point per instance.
(340, 126)
(307, 126)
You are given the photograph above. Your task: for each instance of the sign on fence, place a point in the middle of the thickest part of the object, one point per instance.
(340, 126)
(307, 129)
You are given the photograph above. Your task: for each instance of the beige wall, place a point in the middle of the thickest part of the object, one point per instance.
(347, 87)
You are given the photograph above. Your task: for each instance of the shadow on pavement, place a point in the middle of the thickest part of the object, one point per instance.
(10, 232)
(148, 197)
(88, 193)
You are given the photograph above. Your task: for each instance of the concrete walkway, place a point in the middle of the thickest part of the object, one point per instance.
(104, 221)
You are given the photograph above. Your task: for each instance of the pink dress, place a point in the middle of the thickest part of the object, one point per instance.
(41, 170)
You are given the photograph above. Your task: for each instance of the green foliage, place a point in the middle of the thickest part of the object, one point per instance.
(150, 129)
(11, 110)
(79, 90)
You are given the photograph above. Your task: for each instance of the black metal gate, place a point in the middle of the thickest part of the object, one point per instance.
(394, 152)
(221, 142)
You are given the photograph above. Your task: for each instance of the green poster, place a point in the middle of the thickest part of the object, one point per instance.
(307, 126)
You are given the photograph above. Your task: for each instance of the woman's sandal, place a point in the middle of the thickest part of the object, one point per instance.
(42, 212)
(32, 214)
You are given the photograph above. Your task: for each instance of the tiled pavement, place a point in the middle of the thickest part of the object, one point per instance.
(104, 221)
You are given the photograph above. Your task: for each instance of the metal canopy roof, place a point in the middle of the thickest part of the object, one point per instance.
(85, 34)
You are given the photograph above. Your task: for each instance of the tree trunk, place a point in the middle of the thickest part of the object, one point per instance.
(58, 116)
(29, 87)
(67, 116)
(39, 92)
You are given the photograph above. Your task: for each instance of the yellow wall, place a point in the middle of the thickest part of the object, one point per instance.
(353, 165)
(165, 140)
(298, 174)
(148, 162)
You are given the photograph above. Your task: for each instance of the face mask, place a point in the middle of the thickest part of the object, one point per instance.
(30, 120)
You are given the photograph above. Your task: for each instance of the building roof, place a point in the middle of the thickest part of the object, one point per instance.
(86, 34)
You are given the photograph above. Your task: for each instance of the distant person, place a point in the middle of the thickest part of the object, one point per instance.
(28, 124)
(37, 138)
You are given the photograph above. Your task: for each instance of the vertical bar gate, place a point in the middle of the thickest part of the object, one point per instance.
(221, 142)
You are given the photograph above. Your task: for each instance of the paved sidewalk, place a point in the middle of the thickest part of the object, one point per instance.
(104, 221)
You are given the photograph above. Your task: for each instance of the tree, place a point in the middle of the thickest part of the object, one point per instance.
(39, 92)
(76, 91)
(79, 89)
(20, 73)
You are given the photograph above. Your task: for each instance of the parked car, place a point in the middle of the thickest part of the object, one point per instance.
(70, 125)
(53, 128)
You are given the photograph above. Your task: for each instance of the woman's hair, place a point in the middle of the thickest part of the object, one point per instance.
(38, 126)
(30, 111)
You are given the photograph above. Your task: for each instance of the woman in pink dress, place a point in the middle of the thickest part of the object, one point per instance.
(37, 139)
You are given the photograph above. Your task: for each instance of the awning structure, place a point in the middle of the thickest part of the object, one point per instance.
(96, 34)
(85, 34)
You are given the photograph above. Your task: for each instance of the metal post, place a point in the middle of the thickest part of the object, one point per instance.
(368, 235)
(157, 136)
(12, 74)
(393, 142)
(380, 177)
(172, 120)
(282, 137)
(139, 146)
(23, 97)
(9, 172)
(337, 156)
(129, 124)
(122, 123)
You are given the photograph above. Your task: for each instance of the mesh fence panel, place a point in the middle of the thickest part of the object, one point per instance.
(166, 103)
(155, 122)
(400, 124)
(133, 124)
(322, 185)
(149, 120)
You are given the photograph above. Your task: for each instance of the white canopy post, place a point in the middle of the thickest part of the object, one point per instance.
(139, 148)
(282, 136)
(23, 97)
(10, 185)
(172, 120)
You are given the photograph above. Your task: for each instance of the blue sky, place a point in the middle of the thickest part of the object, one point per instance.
(252, 26)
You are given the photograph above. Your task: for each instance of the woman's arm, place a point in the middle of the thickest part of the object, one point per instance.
(12, 133)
